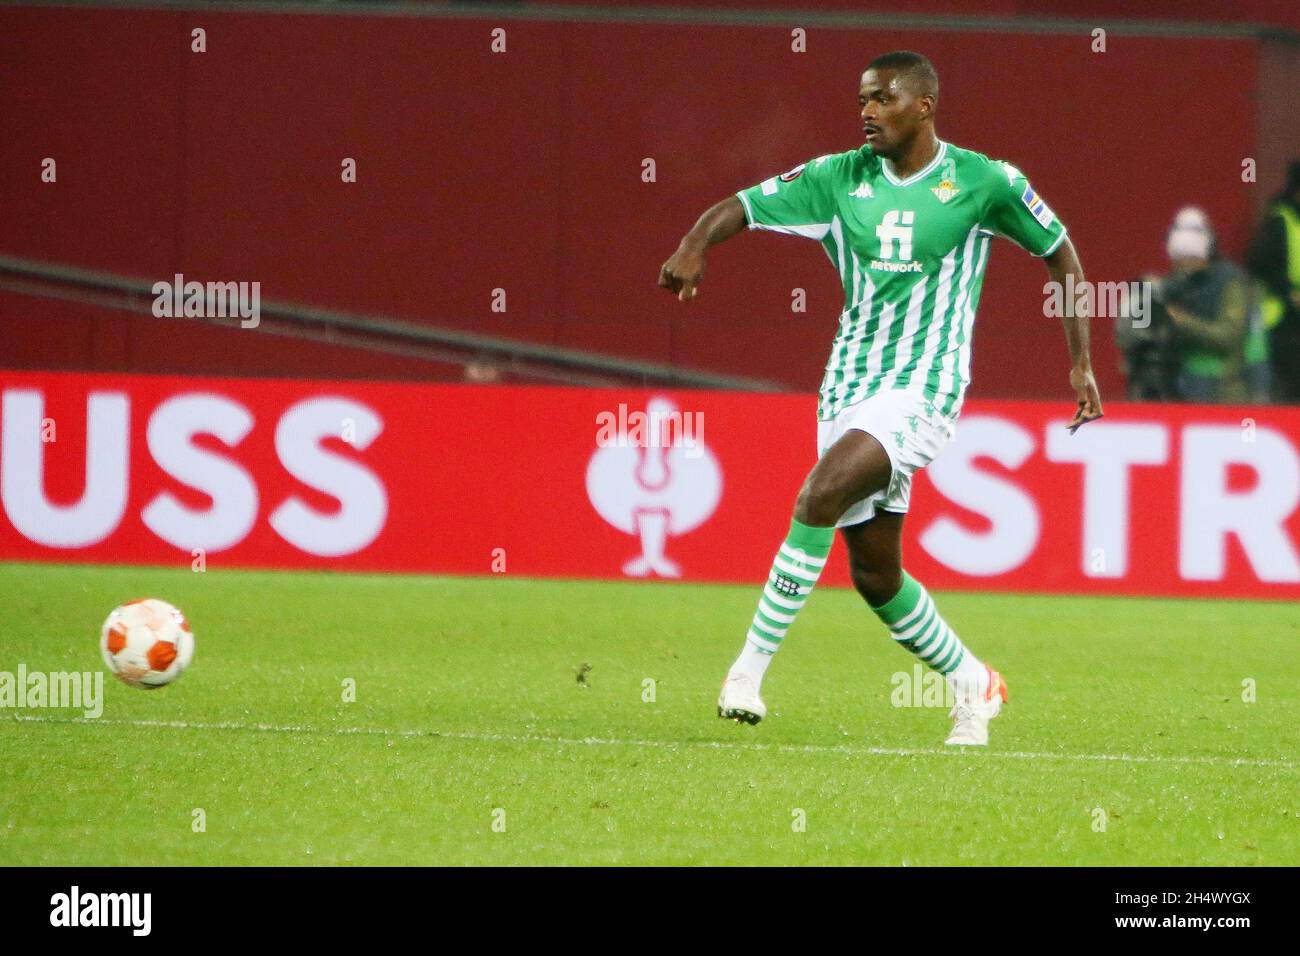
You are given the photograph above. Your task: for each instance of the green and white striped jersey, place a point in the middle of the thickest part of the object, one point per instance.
(911, 255)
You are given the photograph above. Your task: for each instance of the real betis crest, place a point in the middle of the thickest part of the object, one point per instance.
(947, 187)
(945, 190)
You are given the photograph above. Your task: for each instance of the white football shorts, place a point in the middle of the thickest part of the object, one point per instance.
(912, 431)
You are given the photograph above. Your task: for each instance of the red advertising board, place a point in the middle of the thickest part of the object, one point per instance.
(689, 485)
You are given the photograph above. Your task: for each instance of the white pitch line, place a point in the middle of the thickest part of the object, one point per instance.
(669, 744)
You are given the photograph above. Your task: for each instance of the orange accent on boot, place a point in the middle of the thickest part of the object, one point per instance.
(996, 685)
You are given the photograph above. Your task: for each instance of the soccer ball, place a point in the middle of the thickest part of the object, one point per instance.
(147, 643)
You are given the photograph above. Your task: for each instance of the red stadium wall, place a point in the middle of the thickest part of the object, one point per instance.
(1278, 13)
(461, 479)
(522, 171)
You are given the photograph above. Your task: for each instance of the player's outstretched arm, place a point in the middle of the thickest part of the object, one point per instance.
(682, 273)
(1064, 261)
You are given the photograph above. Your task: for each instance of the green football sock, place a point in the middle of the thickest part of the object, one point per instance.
(916, 624)
(795, 570)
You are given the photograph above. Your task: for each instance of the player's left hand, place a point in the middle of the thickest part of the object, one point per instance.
(1085, 388)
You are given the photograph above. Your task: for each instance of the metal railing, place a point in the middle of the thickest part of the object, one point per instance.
(375, 333)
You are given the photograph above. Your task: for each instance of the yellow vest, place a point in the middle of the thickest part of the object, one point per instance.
(1271, 307)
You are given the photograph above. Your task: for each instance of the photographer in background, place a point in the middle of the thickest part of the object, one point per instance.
(1145, 335)
(1275, 262)
(1207, 305)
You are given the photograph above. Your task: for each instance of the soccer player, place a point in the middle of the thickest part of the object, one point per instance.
(907, 220)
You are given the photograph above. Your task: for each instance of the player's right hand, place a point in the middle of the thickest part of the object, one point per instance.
(682, 273)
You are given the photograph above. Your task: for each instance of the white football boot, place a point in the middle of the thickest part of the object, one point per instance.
(739, 701)
(972, 713)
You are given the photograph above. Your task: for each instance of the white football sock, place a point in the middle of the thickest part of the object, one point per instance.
(971, 676)
(751, 663)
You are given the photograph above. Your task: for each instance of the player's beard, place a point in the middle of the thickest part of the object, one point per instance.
(878, 148)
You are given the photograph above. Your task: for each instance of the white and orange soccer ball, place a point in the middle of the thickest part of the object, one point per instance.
(147, 643)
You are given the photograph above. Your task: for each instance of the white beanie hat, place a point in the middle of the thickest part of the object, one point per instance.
(1190, 236)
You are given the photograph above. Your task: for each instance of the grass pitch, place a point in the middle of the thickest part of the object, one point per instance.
(1127, 739)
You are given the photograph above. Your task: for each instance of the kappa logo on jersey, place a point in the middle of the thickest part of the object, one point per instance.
(793, 174)
(1037, 207)
(1012, 173)
(945, 190)
(863, 192)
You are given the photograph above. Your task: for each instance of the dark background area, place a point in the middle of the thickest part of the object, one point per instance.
(522, 171)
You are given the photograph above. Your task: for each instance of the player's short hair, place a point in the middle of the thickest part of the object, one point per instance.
(916, 71)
